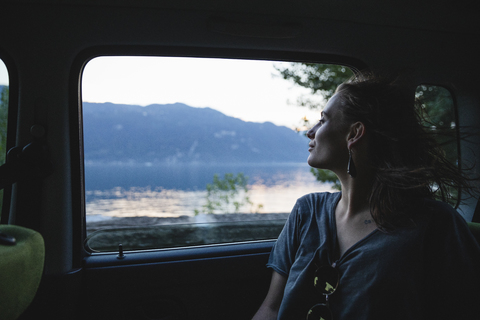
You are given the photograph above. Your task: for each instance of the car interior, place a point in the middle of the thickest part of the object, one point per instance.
(46, 45)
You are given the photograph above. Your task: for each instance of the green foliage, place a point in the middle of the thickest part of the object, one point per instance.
(321, 79)
(327, 176)
(227, 195)
(439, 117)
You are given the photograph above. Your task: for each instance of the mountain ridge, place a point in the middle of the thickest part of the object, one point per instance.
(178, 133)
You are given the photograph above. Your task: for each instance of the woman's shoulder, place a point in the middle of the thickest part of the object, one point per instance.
(324, 198)
(316, 203)
(313, 209)
(440, 210)
(443, 216)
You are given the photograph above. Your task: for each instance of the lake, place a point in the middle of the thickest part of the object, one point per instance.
(154, 190)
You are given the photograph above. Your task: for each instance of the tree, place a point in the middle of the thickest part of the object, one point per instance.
(323, 79)
(227, 195)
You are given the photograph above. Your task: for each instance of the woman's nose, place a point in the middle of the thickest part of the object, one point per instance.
(311, 134)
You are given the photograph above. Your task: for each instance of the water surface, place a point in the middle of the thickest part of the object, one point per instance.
(132, 190)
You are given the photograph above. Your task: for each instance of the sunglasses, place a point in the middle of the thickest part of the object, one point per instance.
(325, 281)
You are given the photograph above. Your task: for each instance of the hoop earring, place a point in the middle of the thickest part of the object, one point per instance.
(351, 169)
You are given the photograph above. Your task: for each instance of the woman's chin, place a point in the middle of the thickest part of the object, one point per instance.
(315, 164)
(312, 163)
(309, 162)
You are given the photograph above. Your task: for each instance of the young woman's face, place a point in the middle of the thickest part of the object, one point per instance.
(328, 138)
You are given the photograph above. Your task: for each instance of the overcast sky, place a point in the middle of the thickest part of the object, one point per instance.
(240, 88)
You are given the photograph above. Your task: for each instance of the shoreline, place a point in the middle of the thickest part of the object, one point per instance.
(143, 221)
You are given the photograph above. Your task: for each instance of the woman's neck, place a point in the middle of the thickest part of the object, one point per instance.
(356, 192)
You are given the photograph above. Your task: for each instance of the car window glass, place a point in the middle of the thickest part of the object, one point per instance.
(194, 151)
(3, 118)
(439, 118)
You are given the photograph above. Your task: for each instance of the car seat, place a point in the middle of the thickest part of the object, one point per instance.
(22, 255)
(475, 229)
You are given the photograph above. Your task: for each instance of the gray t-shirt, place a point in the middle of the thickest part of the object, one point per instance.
(428, 270)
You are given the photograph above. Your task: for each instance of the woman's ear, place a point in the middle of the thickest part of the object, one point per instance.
(356, 134)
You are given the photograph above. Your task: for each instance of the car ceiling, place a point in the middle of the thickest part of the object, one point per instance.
(444, 15)
(410, 32)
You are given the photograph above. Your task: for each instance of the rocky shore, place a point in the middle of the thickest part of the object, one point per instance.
(152, 232)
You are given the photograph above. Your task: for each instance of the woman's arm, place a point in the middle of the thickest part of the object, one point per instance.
(270, 306)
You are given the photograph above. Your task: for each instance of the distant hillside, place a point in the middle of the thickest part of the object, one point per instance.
(177, 133)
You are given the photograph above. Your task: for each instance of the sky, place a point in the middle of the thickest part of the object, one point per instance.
(244, 89)
(3, 74)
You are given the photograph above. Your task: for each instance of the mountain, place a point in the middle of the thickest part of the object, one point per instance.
(177, 133)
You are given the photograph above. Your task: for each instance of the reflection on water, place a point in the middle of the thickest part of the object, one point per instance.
(138, 201)
(172, 191)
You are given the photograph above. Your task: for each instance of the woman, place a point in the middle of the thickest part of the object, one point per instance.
(382, 248)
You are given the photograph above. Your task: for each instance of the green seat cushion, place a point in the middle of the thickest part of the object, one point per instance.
(21, 268)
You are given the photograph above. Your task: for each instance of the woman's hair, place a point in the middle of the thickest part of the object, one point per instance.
(409, 164)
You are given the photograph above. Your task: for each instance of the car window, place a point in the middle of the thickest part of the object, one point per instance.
(3, 119)
(440, 119)
(195, 151)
